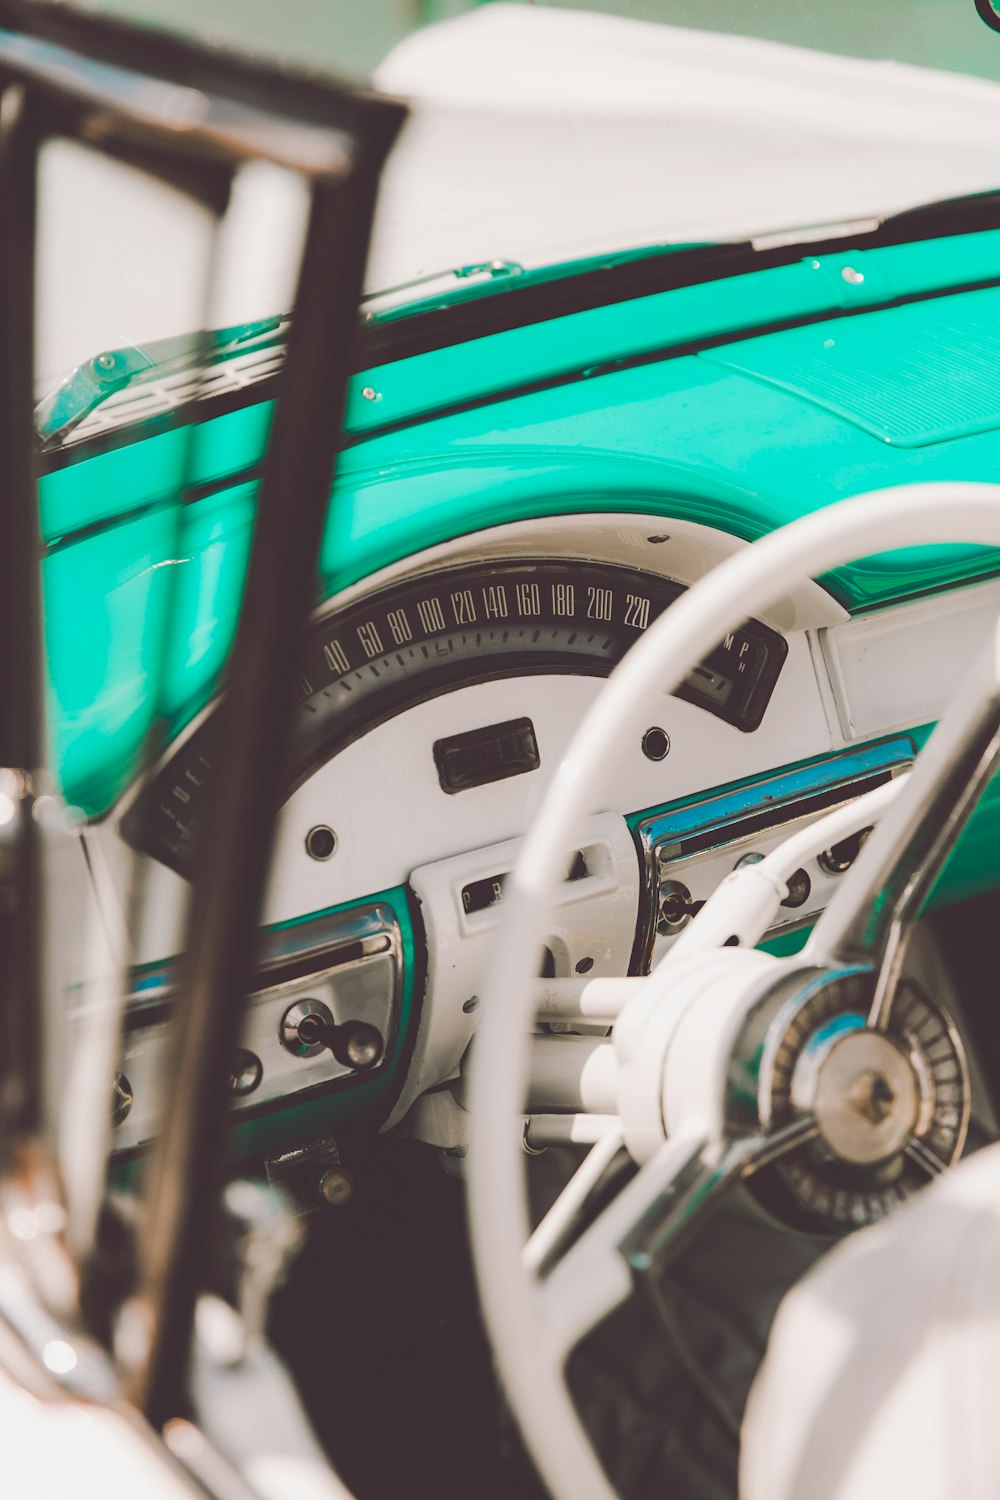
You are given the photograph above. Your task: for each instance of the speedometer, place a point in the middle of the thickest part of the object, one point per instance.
(431, 634)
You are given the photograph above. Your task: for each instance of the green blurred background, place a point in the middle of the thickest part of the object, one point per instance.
(351, 36)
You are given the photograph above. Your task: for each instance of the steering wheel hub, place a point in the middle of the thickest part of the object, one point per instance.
(866, 1097)
(891, 1106)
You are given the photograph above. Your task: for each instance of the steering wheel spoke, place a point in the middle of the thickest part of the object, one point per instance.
(648, 1223)
(926, 1158)
(869, 920)
(595, 1276)
(660, 1232)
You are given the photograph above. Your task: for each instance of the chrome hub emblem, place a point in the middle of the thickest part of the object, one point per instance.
(872, 1097)
(891, 1107)
(865, 1095)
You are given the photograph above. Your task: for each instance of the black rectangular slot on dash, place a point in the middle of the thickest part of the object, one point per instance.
(480, 756)
(480, 895)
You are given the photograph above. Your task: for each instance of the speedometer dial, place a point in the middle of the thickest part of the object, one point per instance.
(432, 634)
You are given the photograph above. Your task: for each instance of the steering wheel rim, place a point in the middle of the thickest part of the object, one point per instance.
(746, 584)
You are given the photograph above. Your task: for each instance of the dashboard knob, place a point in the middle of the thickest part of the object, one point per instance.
(245, 1072)
(356, 1044)
(799, 889)
(121, 1099)
(308, 1026)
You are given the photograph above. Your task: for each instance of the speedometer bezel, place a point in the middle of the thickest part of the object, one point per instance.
(161, 820)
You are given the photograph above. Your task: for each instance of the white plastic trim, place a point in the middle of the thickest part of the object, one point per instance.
(746, 584)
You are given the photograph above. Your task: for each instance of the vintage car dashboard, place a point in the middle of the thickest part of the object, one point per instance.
(485, 569)
(463, 679)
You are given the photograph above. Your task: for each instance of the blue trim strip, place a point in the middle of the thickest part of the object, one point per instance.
(678, 821)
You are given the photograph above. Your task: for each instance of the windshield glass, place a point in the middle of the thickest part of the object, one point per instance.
(543, 135)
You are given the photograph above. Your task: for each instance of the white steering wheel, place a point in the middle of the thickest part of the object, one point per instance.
(730, 1059)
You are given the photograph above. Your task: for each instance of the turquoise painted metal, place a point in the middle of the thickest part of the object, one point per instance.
(744, 435)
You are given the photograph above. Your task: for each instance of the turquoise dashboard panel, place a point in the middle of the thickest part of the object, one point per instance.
(942, 382)
(673, 405)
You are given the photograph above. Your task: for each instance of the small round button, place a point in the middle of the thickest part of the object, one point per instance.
(753, 858)
(304, 1043)
(676, 907)
(799, 887)
(246, 1072)
(336, 1187)
(321, 842)
(121, 1099)
(362, 1045)
(656, 743)
(840, 857)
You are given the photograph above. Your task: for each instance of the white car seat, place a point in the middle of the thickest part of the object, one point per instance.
(883, 1365)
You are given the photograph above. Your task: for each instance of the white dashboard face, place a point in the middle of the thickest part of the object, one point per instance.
(381, 793)
(394, 822)
(383, 797)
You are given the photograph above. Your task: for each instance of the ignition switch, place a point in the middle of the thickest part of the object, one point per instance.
(840, 857)
(308, 1026)
(676, 907)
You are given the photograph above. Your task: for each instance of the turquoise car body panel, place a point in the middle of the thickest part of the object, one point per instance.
(674, 405)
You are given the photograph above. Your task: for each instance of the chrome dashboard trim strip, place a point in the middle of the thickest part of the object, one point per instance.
(347, 963)
(671, 837)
